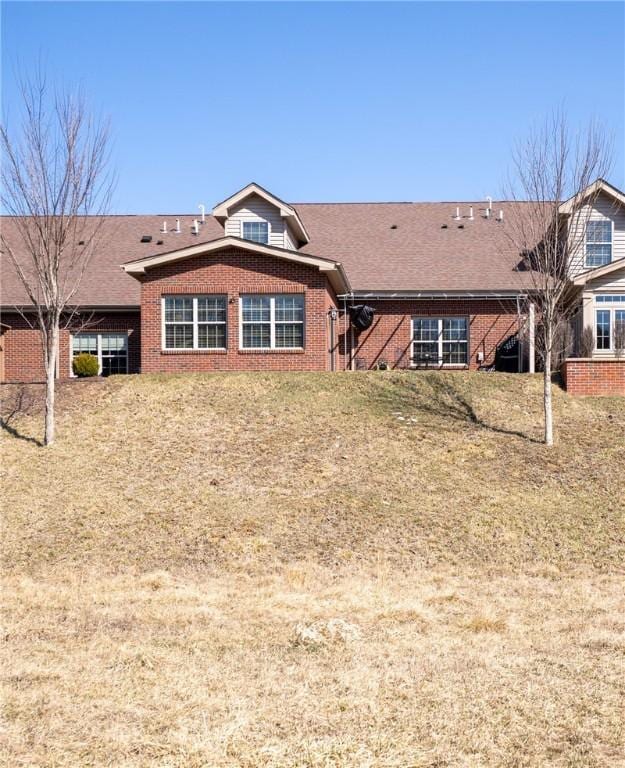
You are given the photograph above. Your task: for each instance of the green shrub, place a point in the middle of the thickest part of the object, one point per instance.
(85, 364)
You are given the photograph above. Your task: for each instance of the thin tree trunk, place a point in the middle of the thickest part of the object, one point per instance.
(51, 356)
(547, 400)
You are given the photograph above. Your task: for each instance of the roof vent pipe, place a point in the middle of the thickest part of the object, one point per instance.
(500, 216)
(164, 227)
(487, 213)
(470, 213)
(457, 216)
(202, 213)
(177, 230)
(489, 203)
(196, 227)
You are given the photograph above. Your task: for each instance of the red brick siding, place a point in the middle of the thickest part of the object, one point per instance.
(234, 272)
(23, 356)
(490, 323)
(594, 377)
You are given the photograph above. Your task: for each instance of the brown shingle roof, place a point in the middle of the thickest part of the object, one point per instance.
(105, 283)
(418, 254)
(382, 246)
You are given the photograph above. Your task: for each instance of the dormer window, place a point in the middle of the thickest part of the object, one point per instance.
(598, 243)
(257, 231)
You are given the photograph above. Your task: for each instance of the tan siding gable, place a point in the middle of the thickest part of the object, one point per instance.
(605, 208)
(254, 208)
(290, 241)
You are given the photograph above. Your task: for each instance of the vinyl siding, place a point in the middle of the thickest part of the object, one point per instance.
(289, 239)
(604, 208)
(254, 208)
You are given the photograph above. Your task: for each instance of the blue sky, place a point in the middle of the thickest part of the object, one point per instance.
(323, 101)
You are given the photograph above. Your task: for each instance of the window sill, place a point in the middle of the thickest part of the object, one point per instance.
(194, 351)
(264, 351)
(438, 366)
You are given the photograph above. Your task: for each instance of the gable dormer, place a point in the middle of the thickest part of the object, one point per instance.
(255, 214)
(596, 227)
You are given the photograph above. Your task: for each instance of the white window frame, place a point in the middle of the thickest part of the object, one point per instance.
(440, 341)
(98, 335)
(256, 221)
(611, 307)
(272, 323)
(603, 242)
(196, 323)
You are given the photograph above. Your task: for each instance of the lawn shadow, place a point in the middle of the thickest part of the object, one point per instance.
(20, 406)
(443, 398)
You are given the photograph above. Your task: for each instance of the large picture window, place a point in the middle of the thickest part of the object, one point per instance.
(111, 349)
(272, 322)
(598, 243)
(440, 341)
(194, 322)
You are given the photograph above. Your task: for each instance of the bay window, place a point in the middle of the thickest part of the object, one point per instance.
(194, 322)
(272, 322)
(440, 341)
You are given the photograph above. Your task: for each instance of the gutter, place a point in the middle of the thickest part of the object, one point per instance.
(435, 295)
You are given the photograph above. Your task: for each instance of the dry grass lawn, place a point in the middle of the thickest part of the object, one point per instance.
(315, 571)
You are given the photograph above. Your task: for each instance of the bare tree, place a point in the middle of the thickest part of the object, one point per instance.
(56, 186)
(553, 174)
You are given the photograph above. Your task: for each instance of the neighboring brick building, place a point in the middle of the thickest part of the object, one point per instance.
(264, 285)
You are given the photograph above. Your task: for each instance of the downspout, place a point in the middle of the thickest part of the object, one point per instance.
(332, 314)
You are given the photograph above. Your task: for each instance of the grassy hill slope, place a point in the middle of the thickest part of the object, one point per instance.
(322, 571)
(246, 471)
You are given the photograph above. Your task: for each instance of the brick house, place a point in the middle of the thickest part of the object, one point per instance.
(264, 285)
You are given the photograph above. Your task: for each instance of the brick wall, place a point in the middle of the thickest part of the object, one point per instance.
(583, 376)
(232, 273)
(23, 356)
(236, 272)
(490, 323)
